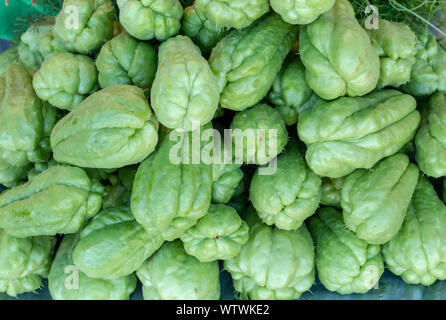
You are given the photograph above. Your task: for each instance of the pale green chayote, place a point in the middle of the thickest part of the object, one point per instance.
(301, 11)
(8, 57)
(331, 191)
(28, 48)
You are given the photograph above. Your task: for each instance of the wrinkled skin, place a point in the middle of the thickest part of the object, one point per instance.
(274, 264)
(75, 285)
(125, 60)
(430, 141)
(351, 133)
(345, 264)
(290, 195)
(112, 128)
(185, 90)
(56, 201)
(28, 49)
(93, 26)
(171, 274)
(418, 252)
(50, 43)
(114, 245)
(375, 201)
(331, 192)
(219, 235)
(396, 46)
(150, 19)
(247, 61)
(23, 262)
(301, 12)
(66, 79)
(338, 55)
(232, 13)
(259, 133)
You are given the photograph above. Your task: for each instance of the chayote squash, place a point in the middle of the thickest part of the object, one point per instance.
(66, 79)
(56, 201)
(351, 133)
(331, 191)
(185, 90)
(112, 128)
(50, 43)
(247, 61)
(23, 262)
(290, 195)
(338, 55)
(219, 235)
(150, 19)
(375, 201)
(301, 11)
(66, 282)
(274, 263)
(119, 191)
(125, 60)
(8, 57)
(114, 245)
(345, 264)
(418, 252)
(10, 175)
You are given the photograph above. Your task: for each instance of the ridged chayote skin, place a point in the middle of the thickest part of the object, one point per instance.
(331, 191)
(114, 245)
(66, 79)
(345, 264)
(185, 90)
(351, 133)
(338, 55)
(290, 90)
(247, 61)
(274, 263)
(201, 30)
(418, 252)
(375, 201)
(23, 262)
(172, 274)
(85, 24)
(232, 13)
(50, 43)
(171, 196)
(112, 128)
(125, 60)
(150, 19)
(8, 57)
(290, 195)
(11, 175)
(430, 140)
(301, 11)
(66, 282)
(28, 48)
(396, 46)
(56, 201)
(219, 235)
(260, 133)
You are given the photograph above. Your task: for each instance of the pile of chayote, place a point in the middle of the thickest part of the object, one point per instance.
(167, 141)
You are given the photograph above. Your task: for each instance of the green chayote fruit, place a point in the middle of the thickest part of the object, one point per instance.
(290, 90)
(274, 263)
(301, 12)
(169, 194)
(112, 128)
(172, 274)
(201, 30)
(288, 196)
(125, 60)
(23, 262)
(119, 192)
(114, 245)
(232, 13)
(375, 201)
(418, 252)
(247, 61)
(40, 167)
(10, 175)
(55, 201)
(185, 90)
(149, 19)
(66, 79)
(259, 133)
(338, 55)
(50, 43)
(396, 46)
(8, 57)
(345, 264)
(430, 140)
(351, 133)
(219, 235)
(331, 191)
(85, 24)
(66, 282)
(28, 48)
